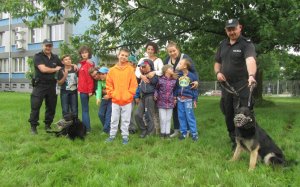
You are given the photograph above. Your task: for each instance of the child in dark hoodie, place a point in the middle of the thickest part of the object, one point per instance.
(186, 99)
(147, 104)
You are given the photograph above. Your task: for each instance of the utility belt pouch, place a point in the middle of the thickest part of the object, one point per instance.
(34, 82)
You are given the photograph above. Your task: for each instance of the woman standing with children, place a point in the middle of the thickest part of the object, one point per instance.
(85, 84)
(173, 59)
(151, 53)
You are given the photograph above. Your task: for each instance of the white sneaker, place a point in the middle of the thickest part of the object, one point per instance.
(175, 134)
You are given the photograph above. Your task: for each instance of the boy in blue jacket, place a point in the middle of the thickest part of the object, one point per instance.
(186, 99)
(146, 105)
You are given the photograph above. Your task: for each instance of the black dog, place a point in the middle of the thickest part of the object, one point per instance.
(250, 137)
(73, 129)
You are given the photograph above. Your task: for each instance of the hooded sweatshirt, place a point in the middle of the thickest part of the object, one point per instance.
(85, 81)
(121, 84)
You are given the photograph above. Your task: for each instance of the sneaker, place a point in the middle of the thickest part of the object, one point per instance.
(33, 130)
(167, 136)
(47, 127)
(182, 137)
(110, 139)
(175, 134)
(195, 138)
(125, 141)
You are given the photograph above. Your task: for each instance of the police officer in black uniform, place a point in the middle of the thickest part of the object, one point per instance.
(46, 64)
(235, 62)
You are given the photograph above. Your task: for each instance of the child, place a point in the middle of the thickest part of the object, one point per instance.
(146, 105)
(186, 98)
(165, 99)
(132, 126)
(103, 100)
(67, 80)
(85, 84)
(120, 87)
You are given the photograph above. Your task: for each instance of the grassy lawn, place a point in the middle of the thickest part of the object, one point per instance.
(43, 160)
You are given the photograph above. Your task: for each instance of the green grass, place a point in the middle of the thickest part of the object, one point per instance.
(44, 160)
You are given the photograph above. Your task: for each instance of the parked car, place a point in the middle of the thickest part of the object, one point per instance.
(216, 93)
(213, 93)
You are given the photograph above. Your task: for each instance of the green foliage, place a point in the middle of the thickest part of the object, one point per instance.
(45, 160)
(279, 65)
(30, 73)
(198, 26)
(72, 50)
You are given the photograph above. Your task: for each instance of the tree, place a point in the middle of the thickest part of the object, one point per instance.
(198, 26)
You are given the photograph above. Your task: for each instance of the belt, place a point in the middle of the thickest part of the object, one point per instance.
(184, 97)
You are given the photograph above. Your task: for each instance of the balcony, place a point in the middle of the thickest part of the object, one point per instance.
(38, 46)
(4, 22)
(2, 49)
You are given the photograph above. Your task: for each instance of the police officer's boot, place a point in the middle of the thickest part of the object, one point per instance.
(33, 129)
(47, 127)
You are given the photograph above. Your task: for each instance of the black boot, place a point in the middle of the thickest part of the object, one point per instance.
(33, 130)
(47, 127)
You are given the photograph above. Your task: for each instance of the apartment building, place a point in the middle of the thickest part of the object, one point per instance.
(18, 43)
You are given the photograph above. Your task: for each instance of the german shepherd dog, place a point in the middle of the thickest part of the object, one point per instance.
(73, 128)
(252, 138)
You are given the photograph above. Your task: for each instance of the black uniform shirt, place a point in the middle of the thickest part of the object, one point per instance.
(42, 58)
(233, 58)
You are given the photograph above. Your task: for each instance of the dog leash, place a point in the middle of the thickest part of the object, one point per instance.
(252, 86)
(230, 89)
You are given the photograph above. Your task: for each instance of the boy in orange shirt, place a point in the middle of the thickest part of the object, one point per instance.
(121, 85)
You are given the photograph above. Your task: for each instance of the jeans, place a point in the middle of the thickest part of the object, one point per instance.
(104, 114)
(186, 117)
(85, 110)
(69, 102)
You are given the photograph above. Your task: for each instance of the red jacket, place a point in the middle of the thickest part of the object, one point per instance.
(85, 81)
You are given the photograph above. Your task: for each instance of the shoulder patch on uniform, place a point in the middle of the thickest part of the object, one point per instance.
(247, 39)
(222, 41)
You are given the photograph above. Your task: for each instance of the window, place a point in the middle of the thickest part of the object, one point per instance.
(14, 86)
(22, 86)
(19, 65)
(57, 32)
(4, 15)
(36, 35)
(4, 65)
